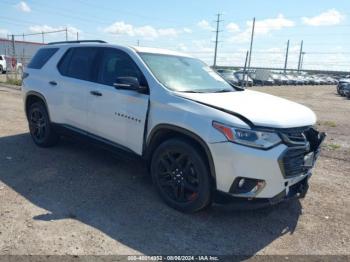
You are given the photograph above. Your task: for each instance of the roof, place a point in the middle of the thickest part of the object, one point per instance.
(159, 51)
(138, 49)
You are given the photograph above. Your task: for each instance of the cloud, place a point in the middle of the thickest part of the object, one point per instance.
(147, 31)
(204, 24)
(23, 7)
(120, 28)
(263, 27)
(182, 47)
(327, 18)
(232, 27)
(187, 30)
(3, 32)
(170, 32)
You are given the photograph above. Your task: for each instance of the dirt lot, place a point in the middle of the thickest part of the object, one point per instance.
(78, 199)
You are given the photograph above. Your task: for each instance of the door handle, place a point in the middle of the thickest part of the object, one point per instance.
(53, 83)
(96, 93)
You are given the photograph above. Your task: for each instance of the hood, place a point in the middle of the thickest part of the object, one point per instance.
(259, 108)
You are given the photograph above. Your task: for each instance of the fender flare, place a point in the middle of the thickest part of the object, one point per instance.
(39, 95)
(187, 133)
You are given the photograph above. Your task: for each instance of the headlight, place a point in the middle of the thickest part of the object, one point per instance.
(248, 137)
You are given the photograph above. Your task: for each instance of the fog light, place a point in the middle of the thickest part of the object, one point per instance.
(246, 186)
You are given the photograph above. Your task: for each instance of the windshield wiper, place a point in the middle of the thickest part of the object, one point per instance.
(190, 91)
(222, 91)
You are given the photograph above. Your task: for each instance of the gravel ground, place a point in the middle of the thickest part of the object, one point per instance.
(78, 199)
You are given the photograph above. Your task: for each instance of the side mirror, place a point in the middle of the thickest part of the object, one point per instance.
(127, 82)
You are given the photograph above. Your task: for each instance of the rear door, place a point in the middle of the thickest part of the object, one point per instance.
(78, 73)
(114, 114)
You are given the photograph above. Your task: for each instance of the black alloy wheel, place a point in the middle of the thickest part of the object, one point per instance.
(40, 127)
(181, 176)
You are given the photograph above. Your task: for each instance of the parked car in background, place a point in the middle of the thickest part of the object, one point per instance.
(316, 80)
(244, 79)
(3, 64)
(229, 76)
(346, 91)
(6, 64)
(343, 86)
(262, 77)
(291, 79)
(299, 80)
(278, 80)
(310, 80)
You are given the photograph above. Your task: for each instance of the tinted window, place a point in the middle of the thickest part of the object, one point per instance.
(41, 57)
(64, 63)
(79, 63)
(116, 63)
(0, 57)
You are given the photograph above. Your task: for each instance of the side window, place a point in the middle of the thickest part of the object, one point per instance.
(79, 63)
(41, 57)
(64, 62)
(0, 58)
(116, 63)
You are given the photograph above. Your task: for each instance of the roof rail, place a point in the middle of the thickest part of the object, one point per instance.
(78, 42)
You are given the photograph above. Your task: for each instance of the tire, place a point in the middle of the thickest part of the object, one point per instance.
(1, 70)
(40, 127)
(181, 176)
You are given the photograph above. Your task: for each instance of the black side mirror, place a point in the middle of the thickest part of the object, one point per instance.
(127, 82)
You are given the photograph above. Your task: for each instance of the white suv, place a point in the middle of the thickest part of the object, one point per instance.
(204, 139)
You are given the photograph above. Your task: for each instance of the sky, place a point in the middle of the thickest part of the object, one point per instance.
(189, 25)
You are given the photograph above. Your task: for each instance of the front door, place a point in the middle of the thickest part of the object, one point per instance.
(115, 114)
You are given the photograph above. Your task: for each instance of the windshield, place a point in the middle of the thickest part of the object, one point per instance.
(185, 74)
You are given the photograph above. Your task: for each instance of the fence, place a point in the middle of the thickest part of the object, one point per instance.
(18, 51)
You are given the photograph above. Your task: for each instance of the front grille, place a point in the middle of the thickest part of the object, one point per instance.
(292, 162)
(295, 136)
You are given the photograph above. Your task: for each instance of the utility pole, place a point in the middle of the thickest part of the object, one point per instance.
(302, 60)
(77, 36)
(42, 37)
(23, 56)
(217, 38)
(245, 69)
(286, 59)
(300, 54)
(13, 65)
(66, 34)
(138, 42)
(251, 43)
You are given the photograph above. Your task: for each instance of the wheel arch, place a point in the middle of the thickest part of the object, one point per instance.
(163, 132)
(32, 97)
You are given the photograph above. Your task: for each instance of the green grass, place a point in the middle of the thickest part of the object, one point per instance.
(333, 146)
(16, 82)
(329, 123)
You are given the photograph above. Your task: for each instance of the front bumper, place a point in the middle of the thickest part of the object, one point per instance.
(234, 162)
(296, 191)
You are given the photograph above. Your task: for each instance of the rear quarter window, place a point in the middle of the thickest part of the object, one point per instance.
(79, 63)
(41, 58)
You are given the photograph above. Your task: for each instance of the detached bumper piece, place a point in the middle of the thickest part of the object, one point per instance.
(298, 190)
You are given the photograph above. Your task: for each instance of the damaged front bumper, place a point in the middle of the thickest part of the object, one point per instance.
(295, 162)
